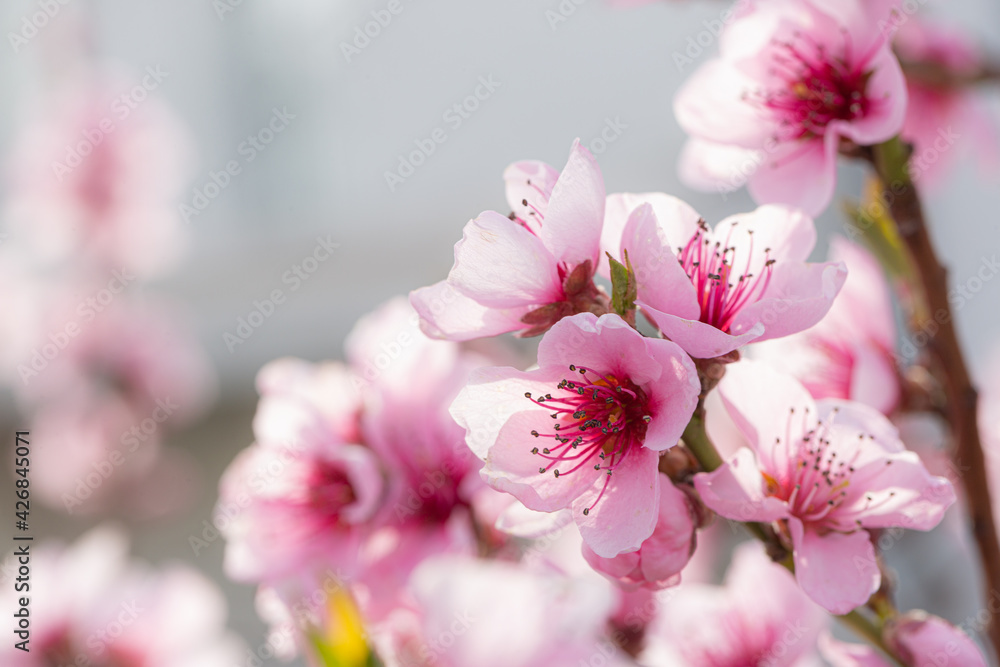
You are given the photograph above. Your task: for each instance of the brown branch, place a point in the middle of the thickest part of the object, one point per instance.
(936, 75)
(890, 160)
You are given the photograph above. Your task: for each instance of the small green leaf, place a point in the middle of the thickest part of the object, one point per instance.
(623, 288)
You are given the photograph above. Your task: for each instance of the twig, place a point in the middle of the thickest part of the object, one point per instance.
(890, 161)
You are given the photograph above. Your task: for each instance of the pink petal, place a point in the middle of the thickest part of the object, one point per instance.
(491, 396)
(789, 233)
(759, 400)
(669, 548)
(676, 218)
(500, 264)
(606, 345)
(542, 179)
(736, 491)
(859, 418)
(512, 468)
(661, 281)
(713, 167)
(933, 641)
(874, 379)
(827, 567)
(672, 397)
(572, 226)
(799, 174)
(365, 476)
(626, 514)
(797, 297)
(447, 313)
(710, 105)
(887, 90)
(865, 302)
(700, 340)
(919, 499)
(519, 521)
(622, 567)
(864, 20)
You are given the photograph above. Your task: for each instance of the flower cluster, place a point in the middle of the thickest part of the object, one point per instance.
(388, 474)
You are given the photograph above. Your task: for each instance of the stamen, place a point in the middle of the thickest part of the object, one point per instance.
(608, 413)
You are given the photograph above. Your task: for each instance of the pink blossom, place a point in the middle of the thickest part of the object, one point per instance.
(525, 271)
(794, 79)
(91, 605)
(759, 617)
(920, 639)
(327, 391)
(303, 507)
(142, 353)
(97, 464)
(849, 354)
(826, 472)
(300, 499)
(405, 417)
(713, 291)
(585, 429)
(105, 382)
(433, 488)
(943, 117)
(87, 183)
(493, 614)
(357, 468)
(660, 559)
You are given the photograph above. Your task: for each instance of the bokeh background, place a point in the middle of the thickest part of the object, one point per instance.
(560, 69)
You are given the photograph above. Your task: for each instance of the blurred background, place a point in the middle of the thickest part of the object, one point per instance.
(253, 134)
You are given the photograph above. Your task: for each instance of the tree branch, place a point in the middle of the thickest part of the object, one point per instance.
(948, 364)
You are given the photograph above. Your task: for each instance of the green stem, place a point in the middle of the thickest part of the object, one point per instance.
(868, 630)
(697, 440)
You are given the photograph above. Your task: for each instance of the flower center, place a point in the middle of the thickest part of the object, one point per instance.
(814, 87)
(816, 479)
(599, 420)
(330, 491)
(722, 291)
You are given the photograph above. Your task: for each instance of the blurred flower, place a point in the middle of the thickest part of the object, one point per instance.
(526, 271)
(759, 617)
(91, 605)
(941, 65)
(96, 176)
(105, 383)
(96, 345)
(713, 291)
(102, 461)
(849, 354)
(661, 557)
(920, 639)
(587, 439)
(793, 80)
(827, 471)
(358, 472)
(305, 503)
(493, 614)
